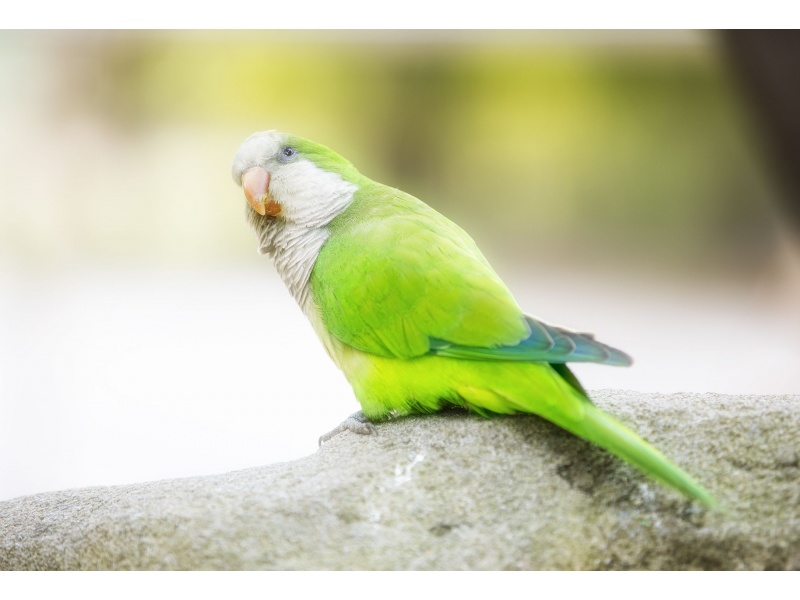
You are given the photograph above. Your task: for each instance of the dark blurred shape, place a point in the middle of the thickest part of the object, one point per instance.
(768, 65)
(423, 88)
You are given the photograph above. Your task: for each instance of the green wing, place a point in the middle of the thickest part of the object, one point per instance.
(398, 279)
(395, 273)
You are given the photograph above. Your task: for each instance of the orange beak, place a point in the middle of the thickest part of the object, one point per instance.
(255, 183)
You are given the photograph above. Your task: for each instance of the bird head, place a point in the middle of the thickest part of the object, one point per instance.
(289, 178)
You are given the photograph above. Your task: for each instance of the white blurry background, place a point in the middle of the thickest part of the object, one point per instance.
(142, 337)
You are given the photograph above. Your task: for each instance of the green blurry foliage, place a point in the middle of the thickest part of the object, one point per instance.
(567, 149)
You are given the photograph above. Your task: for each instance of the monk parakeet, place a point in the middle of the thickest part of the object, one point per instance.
(410, 310)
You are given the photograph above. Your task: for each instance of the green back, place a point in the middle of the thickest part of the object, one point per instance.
(395, 274)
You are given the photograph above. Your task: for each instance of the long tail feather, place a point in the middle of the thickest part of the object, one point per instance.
(554, 393)
(603, 430)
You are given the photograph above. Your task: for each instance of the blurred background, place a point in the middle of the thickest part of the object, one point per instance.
(617, 181)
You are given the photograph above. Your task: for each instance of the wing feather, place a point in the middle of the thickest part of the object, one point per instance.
(397, 279)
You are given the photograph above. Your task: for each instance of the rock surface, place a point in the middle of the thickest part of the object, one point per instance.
(454, 491)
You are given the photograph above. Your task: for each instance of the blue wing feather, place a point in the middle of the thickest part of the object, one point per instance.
(545, 344)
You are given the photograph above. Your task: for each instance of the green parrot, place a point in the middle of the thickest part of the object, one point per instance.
(411, 311)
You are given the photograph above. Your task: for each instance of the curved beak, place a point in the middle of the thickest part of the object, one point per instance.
(255, 183)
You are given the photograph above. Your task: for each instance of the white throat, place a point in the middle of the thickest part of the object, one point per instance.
(294, 251)
(294, 239)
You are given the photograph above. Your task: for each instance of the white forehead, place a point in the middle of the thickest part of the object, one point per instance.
(255, 151)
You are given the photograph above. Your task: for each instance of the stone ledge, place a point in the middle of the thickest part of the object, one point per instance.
(454, 491)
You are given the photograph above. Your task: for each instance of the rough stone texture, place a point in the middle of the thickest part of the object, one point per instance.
(453, 491)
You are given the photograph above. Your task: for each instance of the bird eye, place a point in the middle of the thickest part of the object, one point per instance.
(287, 153)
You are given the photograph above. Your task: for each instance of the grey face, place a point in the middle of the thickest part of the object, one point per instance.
(259, 150)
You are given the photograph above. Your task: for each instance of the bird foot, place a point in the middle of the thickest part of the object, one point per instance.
(357, 423)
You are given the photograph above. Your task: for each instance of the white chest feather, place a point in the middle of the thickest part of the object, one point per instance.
(294, 251)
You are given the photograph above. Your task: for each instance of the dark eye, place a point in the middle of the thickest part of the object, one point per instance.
(287, 153)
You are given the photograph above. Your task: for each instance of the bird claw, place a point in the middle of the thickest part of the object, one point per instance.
(357, 423)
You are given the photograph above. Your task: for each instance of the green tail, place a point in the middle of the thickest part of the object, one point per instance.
(601, 429)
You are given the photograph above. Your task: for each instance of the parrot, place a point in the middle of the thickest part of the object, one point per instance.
(410, 310)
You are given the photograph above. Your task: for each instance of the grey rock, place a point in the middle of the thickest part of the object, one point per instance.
(454, 491)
